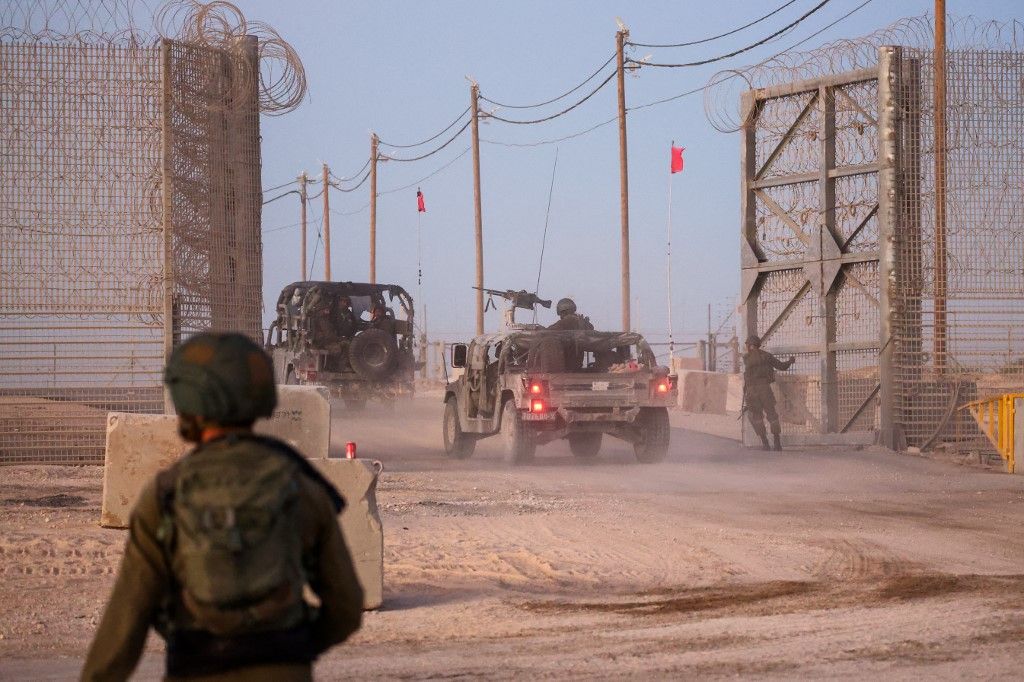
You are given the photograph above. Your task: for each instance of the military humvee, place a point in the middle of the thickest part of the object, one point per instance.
(362, 356)
(533, 386)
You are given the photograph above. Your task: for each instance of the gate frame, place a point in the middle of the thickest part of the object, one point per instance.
(825, 258)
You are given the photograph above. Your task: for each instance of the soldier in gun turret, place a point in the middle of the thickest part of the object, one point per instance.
(758, 375)
(568, 318)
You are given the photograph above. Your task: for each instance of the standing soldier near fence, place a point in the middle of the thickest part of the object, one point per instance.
(224, 546)
(758, 400)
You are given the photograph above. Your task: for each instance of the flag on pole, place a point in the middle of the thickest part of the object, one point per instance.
(677, 159)
(420, 206)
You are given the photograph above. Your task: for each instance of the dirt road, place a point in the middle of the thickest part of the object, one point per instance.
(719, 562)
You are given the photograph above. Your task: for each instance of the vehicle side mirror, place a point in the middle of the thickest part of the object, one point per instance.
(459, 352)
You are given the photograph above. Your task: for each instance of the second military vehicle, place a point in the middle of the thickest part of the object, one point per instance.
(347, 336)
(533, 386)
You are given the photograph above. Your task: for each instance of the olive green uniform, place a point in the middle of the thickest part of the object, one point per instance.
(572, 322)
(758, 375)
(144, 594)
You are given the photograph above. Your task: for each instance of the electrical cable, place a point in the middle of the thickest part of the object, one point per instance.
(281, 186)
(319, 240)
(719, 58)
(720, 35)
(556, 140)
(788, 49)
(351, 213)
(431, 153)
(315, 196)
(429, 139)
(282, 227)
(351, 177)
(281, 196)
(426, 177)
(555, 99)
(338, 187)
(563, 111)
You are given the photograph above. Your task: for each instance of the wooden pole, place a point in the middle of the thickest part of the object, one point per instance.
(373, 207)
(303, 179)
(327, 223)
(474, 98)
(668, 274)
(620, 42)
(940, 331)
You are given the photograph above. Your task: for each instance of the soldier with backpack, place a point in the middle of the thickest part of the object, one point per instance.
(225, 545)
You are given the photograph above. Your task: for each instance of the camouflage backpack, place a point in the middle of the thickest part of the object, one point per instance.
(231, 531)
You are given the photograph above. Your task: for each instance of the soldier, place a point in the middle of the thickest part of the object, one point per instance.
(758, 374)
(568, 318)
(347, 325)
(223, 545)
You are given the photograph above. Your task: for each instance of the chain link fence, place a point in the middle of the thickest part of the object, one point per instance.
(129, 205)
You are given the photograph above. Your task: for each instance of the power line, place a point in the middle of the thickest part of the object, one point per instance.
(280, 196)
(555, 99)
(281, 186)
(366, 176)
(351, 177)
(720, 35)
(282, 227)
(556, 140)
(429, 139)
(426, 177)
(563, 111)
(431, 153)
(351, 213)
(719, 58)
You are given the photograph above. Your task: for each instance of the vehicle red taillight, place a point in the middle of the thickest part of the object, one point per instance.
(661, 386)
(537, 388)
(537, 406)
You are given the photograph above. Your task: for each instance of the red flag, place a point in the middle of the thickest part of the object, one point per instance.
(677, 159)
(420, 206)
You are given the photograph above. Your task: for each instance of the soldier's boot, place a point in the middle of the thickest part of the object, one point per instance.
(776, 442)
(762, 435)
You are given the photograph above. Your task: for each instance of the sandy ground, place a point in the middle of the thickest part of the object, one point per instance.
(720, 562)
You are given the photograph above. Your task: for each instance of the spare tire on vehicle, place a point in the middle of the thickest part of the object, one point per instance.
(373, 354)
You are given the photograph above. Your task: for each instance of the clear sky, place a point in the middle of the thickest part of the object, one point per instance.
(399, 68)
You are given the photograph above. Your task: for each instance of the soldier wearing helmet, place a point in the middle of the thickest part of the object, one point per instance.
(568, 318)
(223, 544)
(759, 402)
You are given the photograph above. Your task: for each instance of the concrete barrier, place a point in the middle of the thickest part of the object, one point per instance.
(356, 480)
(140, 445)
(705, 392)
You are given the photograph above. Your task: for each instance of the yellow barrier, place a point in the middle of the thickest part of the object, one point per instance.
(995, 417)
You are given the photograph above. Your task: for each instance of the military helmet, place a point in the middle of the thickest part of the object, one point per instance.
(754, 340)
(224, 377)
(565, 306)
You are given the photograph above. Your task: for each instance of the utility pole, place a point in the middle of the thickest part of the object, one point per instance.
(373, 207)
(474, 99)
(620, 43)
(303, 179)
(327, 223)
(940, 333)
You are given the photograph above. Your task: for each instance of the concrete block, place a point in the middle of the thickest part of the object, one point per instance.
(302, 419)
(703, 391)
(356, 480)
(140, 445)
(734, 393)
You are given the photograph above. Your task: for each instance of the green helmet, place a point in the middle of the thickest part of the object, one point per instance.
(565, 306)
(224, 377)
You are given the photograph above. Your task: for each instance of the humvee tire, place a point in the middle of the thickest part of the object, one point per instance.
(373, 353)
(585, 445)
(520, 445)
(654, 434)
(457, 445)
